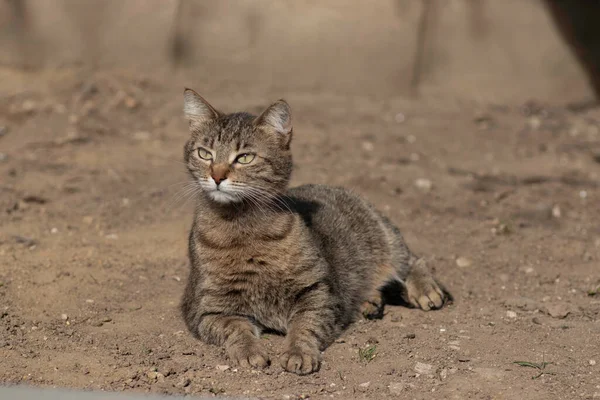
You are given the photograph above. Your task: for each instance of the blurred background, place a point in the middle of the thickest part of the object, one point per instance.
(492, 50)
(472, 124)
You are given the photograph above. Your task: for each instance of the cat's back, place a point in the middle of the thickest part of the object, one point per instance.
(338, 216)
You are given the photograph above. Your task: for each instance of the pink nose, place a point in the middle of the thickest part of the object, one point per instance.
(218, 178)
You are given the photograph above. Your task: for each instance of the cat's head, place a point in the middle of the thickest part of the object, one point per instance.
(238, 157)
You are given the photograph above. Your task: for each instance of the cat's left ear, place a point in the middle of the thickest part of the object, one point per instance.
(277, 118)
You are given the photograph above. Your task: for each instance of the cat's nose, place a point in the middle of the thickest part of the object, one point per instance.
(219, 173)
(218, 179)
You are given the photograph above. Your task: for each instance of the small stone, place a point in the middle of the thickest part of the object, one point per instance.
(443, 374)
(368, 146)
(131, 103)
(112, 236)
(222, 368)
(556, 213)
(557, 310)
(511, 314)
(54, 230)
(423, 369)
(3, 157)
(183, 382)
(592, 362)
(410, 336)
(89, 301)
(396, 387)
(364, 386)
(583, 194)
(396, 318)
(400, 118)
(424, 184)
(64, 317)
(463, 262)
(88, 220)
(29, 106)
(141, 135)
(534, 123)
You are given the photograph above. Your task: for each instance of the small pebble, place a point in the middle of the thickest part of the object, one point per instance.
(424, 184)
(64, 317)
(511, 314)
(368, 146)
(556, 213)
(423, 369)
(463, 262)
(592, 362)
(54, 230)
(583, 194)
(112, 236)
(222, 368)
(183, 382)
(400, 118)
(141, 135)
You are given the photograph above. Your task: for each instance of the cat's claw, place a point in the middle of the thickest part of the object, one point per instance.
(250, 356)
(300, 361)
(425, 293)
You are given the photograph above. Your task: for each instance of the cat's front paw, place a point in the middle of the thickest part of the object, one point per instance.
(249, 355)
(301, 361)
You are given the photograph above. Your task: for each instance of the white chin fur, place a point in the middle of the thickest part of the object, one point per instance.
(222, 197)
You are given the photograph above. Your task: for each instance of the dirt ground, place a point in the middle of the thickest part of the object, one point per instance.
(497, 184)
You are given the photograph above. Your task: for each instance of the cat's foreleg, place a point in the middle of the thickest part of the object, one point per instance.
(311, 328)
(238, 335)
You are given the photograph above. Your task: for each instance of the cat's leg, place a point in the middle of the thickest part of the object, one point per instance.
(372, 307)
(238, 335)
(422, 290)
(311, 328)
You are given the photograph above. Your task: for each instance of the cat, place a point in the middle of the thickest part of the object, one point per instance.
(304, 262)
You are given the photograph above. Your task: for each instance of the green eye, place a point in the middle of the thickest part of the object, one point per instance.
(245, 158)
(204, 154)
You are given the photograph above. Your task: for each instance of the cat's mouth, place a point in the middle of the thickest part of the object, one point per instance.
(221, 196)
(219, 193)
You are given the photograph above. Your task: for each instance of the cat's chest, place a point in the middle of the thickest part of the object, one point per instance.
(260, 282)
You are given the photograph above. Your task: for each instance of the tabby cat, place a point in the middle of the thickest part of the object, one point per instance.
(304, 262)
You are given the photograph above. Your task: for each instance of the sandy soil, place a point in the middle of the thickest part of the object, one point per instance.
(498, 190)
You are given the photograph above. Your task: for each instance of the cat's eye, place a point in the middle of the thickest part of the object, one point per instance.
(204, 154)
(245, 158)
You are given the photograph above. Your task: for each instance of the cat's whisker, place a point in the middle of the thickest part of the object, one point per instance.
(187, 192)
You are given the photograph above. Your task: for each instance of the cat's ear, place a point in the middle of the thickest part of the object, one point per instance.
(196, 109)
(277, 118)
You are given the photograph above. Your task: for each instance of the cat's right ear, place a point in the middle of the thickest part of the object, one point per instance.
(196, 109)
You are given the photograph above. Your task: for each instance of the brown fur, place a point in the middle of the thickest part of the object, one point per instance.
(303, 262)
